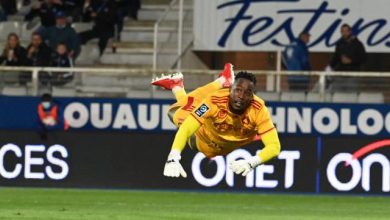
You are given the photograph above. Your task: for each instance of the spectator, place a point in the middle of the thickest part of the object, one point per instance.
(62, 32)
(26, 2)
(126, 8)
(349, 56)
(9, 6)
(122, 12)
(69, 6)
(49, 116)
(103, 13)
(73, 9)
(350, 53)
(3, 16)
(14, 54)
(61, 58)
(46, 10)
(38, 54)
(296, 58)
(134, 6)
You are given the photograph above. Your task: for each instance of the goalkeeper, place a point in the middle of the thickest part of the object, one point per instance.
(215, 120)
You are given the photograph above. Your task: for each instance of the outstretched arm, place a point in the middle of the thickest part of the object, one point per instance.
(173, 167)
(271, 146)
(271, 149)
(186, 130)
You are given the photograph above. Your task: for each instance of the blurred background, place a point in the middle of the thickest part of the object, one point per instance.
(77, 109)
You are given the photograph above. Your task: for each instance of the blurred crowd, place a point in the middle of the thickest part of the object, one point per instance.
(349, 55)
(54, 42)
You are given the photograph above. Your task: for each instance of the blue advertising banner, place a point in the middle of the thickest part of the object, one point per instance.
(90, 113)
(151, 115)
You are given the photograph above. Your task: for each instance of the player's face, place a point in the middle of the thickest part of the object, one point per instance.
(241, 95)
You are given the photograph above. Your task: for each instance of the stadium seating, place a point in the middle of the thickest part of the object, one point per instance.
(268, 96)
(9, 27)
(136, 51)
(370, 97)
(82, 26)
(316, 97)
(25, 33)
(293, 96)
(15, 91)
(63, 91)
(345, 97)
(89, 54)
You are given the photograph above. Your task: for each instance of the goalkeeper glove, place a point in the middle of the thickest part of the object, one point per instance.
(243, 167)
(173, 167)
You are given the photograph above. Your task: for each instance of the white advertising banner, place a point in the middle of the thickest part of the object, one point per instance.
(269, 25)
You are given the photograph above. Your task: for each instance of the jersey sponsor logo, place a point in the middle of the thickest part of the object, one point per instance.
(201, 110)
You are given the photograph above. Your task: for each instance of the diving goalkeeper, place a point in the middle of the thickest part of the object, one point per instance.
(218, 118)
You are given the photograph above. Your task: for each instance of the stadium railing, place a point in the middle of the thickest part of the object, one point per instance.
(172, 37)
(272, 85)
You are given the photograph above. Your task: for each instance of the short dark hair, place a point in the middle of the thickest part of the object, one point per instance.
(46, 97)
(37, 34)
(304, 33)
(246, 75)
(347, 26)
(63, 43)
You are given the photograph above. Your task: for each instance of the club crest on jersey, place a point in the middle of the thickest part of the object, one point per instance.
(222, 114)
(201, 110)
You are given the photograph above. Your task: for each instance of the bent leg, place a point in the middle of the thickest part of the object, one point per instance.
(85, 36)
(179, 93)
(185, 104)
(201, 92)
(225, 79)
(174, 83)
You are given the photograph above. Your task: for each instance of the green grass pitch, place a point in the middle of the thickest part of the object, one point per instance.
(33, 203)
